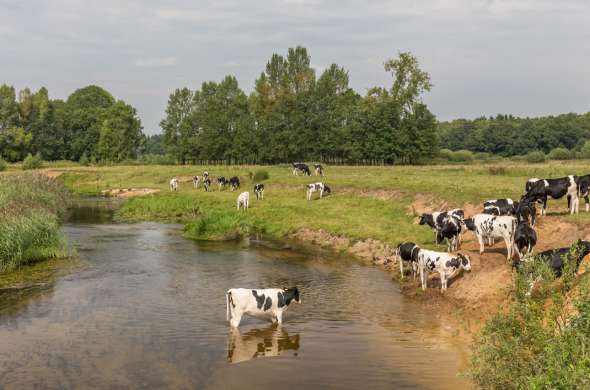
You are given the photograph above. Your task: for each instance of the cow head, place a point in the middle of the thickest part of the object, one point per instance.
(465, 262)
(291, 294)
(327, 189)
(426, 219)
(469, 224)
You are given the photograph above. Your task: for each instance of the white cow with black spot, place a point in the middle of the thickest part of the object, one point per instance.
(447, 265)
(269, 302)
(317, 187)
(490, 227)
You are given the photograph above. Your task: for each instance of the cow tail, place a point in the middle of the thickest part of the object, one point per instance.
(229, 301)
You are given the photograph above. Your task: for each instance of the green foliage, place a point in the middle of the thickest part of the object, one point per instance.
(535, 157)
(260, 175)
(560, 154)
(585, 150)
(3, 164)
(84, 160)
(32, 162)
(31, 207)
(221, 225)
(542, 340)
(157, 159)
(458, 156)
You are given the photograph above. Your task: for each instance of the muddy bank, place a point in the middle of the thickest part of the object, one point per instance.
(129, 192)
(472, 296)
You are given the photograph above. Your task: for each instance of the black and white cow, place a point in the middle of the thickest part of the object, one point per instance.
(525, 239)
(206, 175)
(486, 226)
(499, 207)
(556, 189)
(206, 183)
(269, 302)
(319, 169)
(450, 230)
(435, 220)
(556, 258)
(530, 183)
(584, 189)
(408, 252)
(301, 167)
(196, 181)
(234, 183)
(259, 191)
(447, 265)
(525, 212)
(317, 187)
(222, 182)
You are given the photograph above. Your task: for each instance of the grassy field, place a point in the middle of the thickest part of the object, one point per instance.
(368, 202)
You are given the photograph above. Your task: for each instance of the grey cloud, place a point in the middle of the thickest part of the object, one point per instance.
(527, 57)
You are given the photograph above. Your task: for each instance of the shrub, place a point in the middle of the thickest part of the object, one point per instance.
(541, 341)
(446, 154)
(221, 225)
(463, 156)
(84, 160)
(3, 164)
(560, 154)
(535, 157)
(32, 162)
(261, 175)
(483, 156)
(585, 150)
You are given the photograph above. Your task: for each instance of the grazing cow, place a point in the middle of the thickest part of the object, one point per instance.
(556, 189)
(435, 220)
(234, 183)
(525, 239)
(270, 302)
(222, 181)
(206, 175)
(196, 181)
(491, 226)
(301, 167)
(317, 187)
(319, 169)
(259, 191)
(207, 184)
(447, 265)
(584, 189)
(174, 184)
(499, 207)
(556, 257)
(525, 211)
(450, 229)
(408, 252)
(243, 200)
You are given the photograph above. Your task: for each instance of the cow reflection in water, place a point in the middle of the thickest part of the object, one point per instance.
(268, 342)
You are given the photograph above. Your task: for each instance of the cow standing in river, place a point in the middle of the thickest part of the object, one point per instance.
(270, 302)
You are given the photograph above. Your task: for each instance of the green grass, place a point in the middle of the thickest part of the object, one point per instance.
(346, 212)
(31, 208)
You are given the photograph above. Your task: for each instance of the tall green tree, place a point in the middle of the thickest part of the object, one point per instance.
(120, 133)
(179, 132)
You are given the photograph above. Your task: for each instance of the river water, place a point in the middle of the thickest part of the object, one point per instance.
(147, 310)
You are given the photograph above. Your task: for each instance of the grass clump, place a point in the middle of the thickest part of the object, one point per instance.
(535, 157)
(32, 162)
(31, 209)
(543, 339)
(222, 225)
(261, 175)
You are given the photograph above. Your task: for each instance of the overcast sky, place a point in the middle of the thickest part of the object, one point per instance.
(525, 57)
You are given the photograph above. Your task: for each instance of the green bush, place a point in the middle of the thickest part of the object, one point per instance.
(3, 164)
(222, 225)
(535, 157)
(585, 150)
(446, 154)
(542, 340)
(483, 156)
(560, 154)
(260, 175)
(463, 156)
(32, 162)
(84, 160)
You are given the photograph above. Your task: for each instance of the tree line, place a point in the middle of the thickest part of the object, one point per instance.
(90, 125)
(294, 115)
(506, 135)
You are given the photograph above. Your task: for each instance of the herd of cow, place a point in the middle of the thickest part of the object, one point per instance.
(512, 221)
(243, 201)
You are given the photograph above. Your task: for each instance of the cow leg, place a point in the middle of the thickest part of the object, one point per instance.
(509, 246)
(401, 266)
(414, 270)
(544, 209)
(423, 278)
(481, 244)
(321, 193)
(280, 317)
(569, 202)
(586, 200)
(235, 320)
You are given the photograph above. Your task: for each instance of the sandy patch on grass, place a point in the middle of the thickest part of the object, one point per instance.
(184, 178)
(129, 192)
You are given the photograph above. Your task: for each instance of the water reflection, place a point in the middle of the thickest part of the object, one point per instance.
(255, 343)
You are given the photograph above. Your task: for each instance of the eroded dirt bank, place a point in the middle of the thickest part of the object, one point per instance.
(473, 296)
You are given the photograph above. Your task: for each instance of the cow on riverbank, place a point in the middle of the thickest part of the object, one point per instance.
(555, 189)
(270, 302)
(486, 226)
(407, 252)
(447, 265)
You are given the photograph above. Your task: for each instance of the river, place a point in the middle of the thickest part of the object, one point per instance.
(147, 310)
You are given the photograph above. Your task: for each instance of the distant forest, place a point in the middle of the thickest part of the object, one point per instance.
(292, 115)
